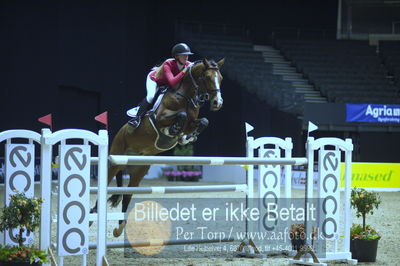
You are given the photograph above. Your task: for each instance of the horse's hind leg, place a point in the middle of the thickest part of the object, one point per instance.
(112, 171)
(136, 174)
(115, 199)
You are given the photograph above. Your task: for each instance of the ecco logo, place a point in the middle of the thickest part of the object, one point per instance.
(330, 164)
(19, 174)
(15, 153)
(270, 181)
(75, 161)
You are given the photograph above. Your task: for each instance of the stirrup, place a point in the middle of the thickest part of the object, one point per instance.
(135, 122)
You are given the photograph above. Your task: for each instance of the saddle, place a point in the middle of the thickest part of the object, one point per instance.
(158, 96)
(163, 142)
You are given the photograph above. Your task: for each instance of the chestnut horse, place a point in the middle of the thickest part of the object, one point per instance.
(174, 121)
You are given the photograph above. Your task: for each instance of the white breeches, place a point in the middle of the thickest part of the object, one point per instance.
(151, 87)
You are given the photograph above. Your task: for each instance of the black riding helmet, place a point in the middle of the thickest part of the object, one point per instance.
(181, 48)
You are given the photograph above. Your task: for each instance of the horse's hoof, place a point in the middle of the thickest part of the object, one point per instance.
(187, 139)
(183, 140)
(116, 233)
(174, 130)
(193, 139)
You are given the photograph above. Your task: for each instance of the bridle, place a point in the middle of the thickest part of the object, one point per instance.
(201, 96)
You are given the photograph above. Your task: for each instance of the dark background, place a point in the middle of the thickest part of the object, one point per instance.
(76, 59)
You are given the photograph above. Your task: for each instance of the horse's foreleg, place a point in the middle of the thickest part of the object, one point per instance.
(177, 127)
(136, 174)
(202, 123)
(172, 123)
(198, 126)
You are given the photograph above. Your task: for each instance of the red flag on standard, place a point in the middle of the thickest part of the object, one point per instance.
(103, 118)
(47, 120)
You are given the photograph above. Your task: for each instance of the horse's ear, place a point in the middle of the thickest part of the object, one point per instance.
(221, 62)
(206, 63)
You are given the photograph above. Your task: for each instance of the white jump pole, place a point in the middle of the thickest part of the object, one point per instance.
(192, 160)
(171, 242)
(173, 189)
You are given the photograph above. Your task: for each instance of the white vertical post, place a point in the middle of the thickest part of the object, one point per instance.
(310, 168)
(45, 181)
(84, 260)
(347, 194)
(309, 193)
(102, 198)
(250, 168)
(288, 170)
(60, 260)
(250, 182)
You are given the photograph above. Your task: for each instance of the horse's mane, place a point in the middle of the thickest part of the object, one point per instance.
(199, 63)
(213, 63)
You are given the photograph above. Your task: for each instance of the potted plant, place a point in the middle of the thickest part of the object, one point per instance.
(363, 238)
(173, 175)
(191, 175)
(22, 213)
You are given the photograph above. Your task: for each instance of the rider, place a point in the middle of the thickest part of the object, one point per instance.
(170, 73)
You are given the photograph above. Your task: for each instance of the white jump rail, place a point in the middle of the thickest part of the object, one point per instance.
(144, 243)
(173, 189)
(193, 160)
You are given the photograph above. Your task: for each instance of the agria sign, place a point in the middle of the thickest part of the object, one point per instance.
(375, 113)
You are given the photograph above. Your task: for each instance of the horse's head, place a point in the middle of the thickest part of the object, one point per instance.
(207, 79)
(213, 79)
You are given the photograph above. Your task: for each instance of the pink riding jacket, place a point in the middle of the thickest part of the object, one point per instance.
(169, 74)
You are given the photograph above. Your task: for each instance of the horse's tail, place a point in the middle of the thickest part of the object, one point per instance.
(118, 147)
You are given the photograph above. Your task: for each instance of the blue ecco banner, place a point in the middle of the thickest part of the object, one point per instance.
(375, 113)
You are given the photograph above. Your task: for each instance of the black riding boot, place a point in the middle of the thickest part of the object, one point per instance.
(135, 122)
